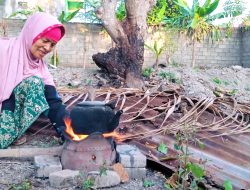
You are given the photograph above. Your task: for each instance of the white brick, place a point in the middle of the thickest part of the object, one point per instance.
(47, 164)
(130, 156)
(64, 178)
(136, 173)
(109, 180)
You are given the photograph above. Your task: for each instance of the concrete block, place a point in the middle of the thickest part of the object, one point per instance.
(130, 156)
(80, 35)
(110, 179)
(47, 164)
(64, 178)
(136, 173)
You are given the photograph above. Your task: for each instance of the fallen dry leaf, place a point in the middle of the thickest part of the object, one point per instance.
(172, 181)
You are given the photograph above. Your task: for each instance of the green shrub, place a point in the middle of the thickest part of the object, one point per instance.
(147, 72)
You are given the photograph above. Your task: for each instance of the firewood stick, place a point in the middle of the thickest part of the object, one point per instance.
(30, 152)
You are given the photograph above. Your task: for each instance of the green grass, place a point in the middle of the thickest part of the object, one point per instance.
(25, 185)
(147, 72)
(169, 76)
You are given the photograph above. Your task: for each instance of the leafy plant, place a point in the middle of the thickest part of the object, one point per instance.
(103, 169)
(196, 21)
(63, 17)
(197, 25)
(246, 23)
(219, 92)
(147, 72)
(89, 13)
(167, 187)
(121, 11)
(88, 184)
(189, 174)
(27, 12)
(217, 80)
(73, 5)
(157, 52)
(228, 185)
(25, 185)
(166, 75)
(233, 92)
(147, 183)
(200, 144)
(162, 9)
(162, 148)
(233, 7)
(162, 43)
(169, 76)
(157, 14)
(196, 170)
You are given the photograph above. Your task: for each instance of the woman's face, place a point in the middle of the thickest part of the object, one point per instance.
(41, 47)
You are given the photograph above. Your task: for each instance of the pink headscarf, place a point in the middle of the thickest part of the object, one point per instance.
(16, 61)
(54, 34)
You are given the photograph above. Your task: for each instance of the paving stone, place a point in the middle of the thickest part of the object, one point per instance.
(131, 157)
(47, 164)
(64, 178)
(101, 181)
(136, 173)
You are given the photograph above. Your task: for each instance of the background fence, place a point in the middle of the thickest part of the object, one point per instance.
(83, 40)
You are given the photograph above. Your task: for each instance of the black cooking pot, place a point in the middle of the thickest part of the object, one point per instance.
(94, 116)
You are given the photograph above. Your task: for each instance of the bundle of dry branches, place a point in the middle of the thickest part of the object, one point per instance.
(167, 112)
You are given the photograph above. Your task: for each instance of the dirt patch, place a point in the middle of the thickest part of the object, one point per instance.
(195, 83)
(198, 83)
(21, 173)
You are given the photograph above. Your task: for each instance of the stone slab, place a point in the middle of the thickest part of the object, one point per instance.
(47, 164)
(110, 179)
(130, 156)
(136, 173)
(64, 178)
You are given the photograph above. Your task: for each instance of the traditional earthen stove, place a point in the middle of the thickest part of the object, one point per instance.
(89, 136)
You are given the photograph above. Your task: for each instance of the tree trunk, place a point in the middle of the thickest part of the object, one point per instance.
(127, 57)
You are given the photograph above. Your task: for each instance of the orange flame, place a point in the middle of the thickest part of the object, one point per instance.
(77, 137)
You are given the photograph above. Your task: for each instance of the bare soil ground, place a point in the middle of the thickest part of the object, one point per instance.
(198, 82)
(20, 173)
(195, 82)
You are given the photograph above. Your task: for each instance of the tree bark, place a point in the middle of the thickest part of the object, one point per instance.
(127, 57)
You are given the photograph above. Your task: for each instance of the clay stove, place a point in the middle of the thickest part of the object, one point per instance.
(89, 136)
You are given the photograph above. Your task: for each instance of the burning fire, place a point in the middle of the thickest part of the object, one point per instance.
(77, 137)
